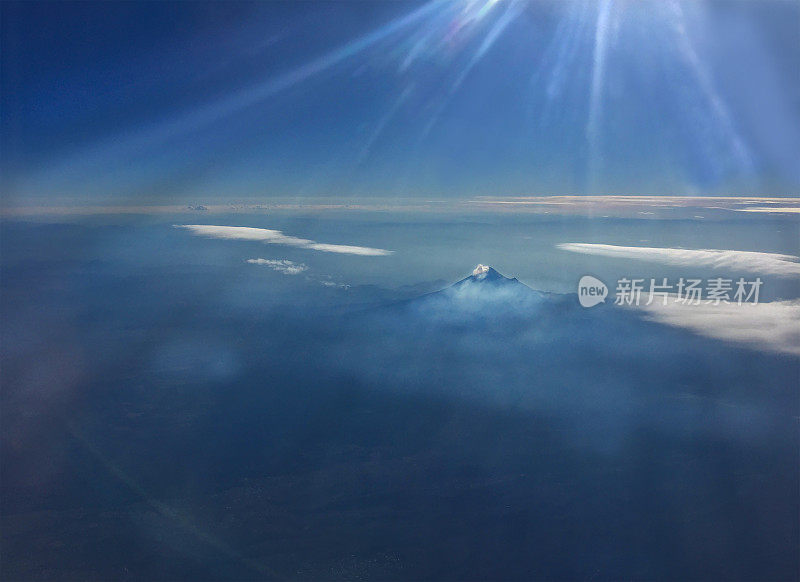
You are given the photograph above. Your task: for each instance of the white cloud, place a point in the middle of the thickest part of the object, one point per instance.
(281, 265)
(771, 209)
(771, 326)
(288, 267)
(754, 262)
(325, 283)
(276, 237)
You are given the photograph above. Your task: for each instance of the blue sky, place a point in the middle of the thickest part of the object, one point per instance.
(162, 102)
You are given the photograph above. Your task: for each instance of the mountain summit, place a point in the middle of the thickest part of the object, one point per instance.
(482, 270)
(486, 276)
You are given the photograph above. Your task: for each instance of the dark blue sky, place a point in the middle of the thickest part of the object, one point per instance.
(208, 102)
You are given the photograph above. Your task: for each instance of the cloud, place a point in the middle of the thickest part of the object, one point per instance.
(771, 209)
(754, 262)
(288, 267)
(276, 237)
(610, 205)
(771, 326)
(640, 207)
(326, 283)
(281, 265)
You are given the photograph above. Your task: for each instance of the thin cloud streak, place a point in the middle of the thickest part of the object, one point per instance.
(768, 210)
(276, 237)
(750, 261)
(284, 266)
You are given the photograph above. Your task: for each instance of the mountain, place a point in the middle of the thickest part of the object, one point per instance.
(485, 293)
(486, 279)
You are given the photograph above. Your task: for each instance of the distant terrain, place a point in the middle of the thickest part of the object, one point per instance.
(156, 426)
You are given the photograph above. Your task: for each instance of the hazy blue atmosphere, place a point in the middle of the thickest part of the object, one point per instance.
(299, 290)
(173, 411)
(245, 100)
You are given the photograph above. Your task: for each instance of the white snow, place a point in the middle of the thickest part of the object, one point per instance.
(481, 270)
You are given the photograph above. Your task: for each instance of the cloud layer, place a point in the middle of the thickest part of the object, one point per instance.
(284, 266)
(771, 326)
(753, 262)
(771, 209)
(276, 237)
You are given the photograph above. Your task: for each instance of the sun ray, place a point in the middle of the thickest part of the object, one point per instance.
(738, 149)
(596, 91)
(121, 147)
(383, 122)
(495, 32)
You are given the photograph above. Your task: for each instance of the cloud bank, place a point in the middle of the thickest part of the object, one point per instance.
(771, 326)
(276, 237)
(753, 262)
(284, 266)
(771, 210)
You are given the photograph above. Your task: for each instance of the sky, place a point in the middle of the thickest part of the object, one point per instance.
(113, 103)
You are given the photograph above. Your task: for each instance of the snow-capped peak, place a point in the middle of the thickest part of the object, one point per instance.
(481, 270)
